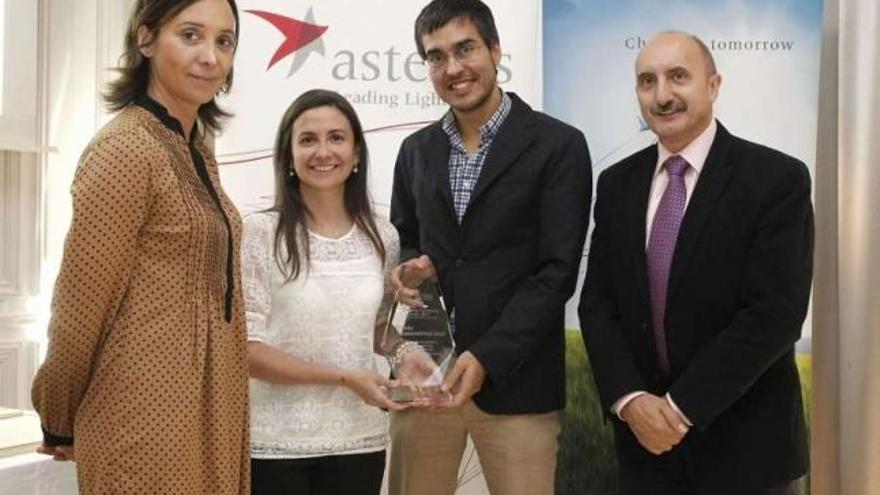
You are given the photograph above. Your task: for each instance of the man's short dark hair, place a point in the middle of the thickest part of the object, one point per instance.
(439, 13)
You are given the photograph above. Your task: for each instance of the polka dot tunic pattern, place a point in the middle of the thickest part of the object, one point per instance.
(143, 372)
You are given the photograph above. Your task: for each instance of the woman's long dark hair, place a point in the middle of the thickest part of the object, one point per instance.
(292, 210)
(134, 68)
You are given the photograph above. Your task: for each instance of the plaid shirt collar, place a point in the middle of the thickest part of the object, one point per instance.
(488, 130)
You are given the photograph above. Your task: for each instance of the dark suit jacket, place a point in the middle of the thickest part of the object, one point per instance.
(510, 266)
(739, 287)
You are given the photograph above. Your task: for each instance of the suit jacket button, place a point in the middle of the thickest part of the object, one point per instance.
(459, 262)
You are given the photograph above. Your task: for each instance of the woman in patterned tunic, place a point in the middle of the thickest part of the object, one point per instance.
(146, 370)
(315, 271)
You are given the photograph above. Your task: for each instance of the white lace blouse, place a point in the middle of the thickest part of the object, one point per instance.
(326, 315)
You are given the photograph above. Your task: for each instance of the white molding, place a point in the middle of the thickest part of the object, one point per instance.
(10, 370)
(20, 118)
(21, 229)
(41, 205)
(19, 360)
(22, 239)
(22, 198)
(30, 363)
(111, 22)
(8, 224)
(102, 11)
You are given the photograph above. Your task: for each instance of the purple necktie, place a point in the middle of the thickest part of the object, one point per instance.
(661, 245)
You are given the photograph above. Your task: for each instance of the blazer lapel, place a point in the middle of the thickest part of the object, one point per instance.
(637, 210)
(437, 157)
(710, 186)
(515, 136)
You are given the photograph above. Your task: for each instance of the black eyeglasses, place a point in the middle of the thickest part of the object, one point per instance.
(462, 53)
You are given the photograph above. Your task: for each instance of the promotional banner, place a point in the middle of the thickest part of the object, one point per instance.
(362, 49)
(767, 52)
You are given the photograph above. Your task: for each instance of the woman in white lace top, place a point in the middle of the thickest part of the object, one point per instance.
(315, 279)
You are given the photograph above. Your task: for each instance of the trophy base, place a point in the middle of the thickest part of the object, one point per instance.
(423, 395)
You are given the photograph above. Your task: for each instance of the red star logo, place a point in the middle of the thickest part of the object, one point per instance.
(297, 34)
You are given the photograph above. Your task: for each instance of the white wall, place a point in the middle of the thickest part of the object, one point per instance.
(77, 39)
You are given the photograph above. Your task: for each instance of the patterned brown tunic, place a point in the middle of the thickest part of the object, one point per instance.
(147, 363)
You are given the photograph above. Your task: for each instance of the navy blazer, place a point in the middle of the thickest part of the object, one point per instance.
(738, 292)
(510, 266)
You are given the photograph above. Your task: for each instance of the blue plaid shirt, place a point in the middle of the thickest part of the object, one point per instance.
(465, 167)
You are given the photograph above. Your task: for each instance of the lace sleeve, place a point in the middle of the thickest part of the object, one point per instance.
(256, 256)
(385, 344)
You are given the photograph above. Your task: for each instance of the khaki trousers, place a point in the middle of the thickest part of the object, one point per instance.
(517, 452)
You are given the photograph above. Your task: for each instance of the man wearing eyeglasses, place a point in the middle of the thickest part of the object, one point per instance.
(493, 200)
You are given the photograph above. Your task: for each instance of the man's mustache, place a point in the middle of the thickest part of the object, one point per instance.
(668, 108)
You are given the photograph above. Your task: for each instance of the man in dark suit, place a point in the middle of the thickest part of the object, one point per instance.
(494, 200)
(697, 285)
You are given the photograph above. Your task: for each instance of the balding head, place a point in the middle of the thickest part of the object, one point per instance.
(708, 59)
(685, 37)
(676, 83)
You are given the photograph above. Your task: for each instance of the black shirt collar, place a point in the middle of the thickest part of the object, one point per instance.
(162, 114)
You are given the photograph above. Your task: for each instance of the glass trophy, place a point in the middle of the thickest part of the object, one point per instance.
(423, 347)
